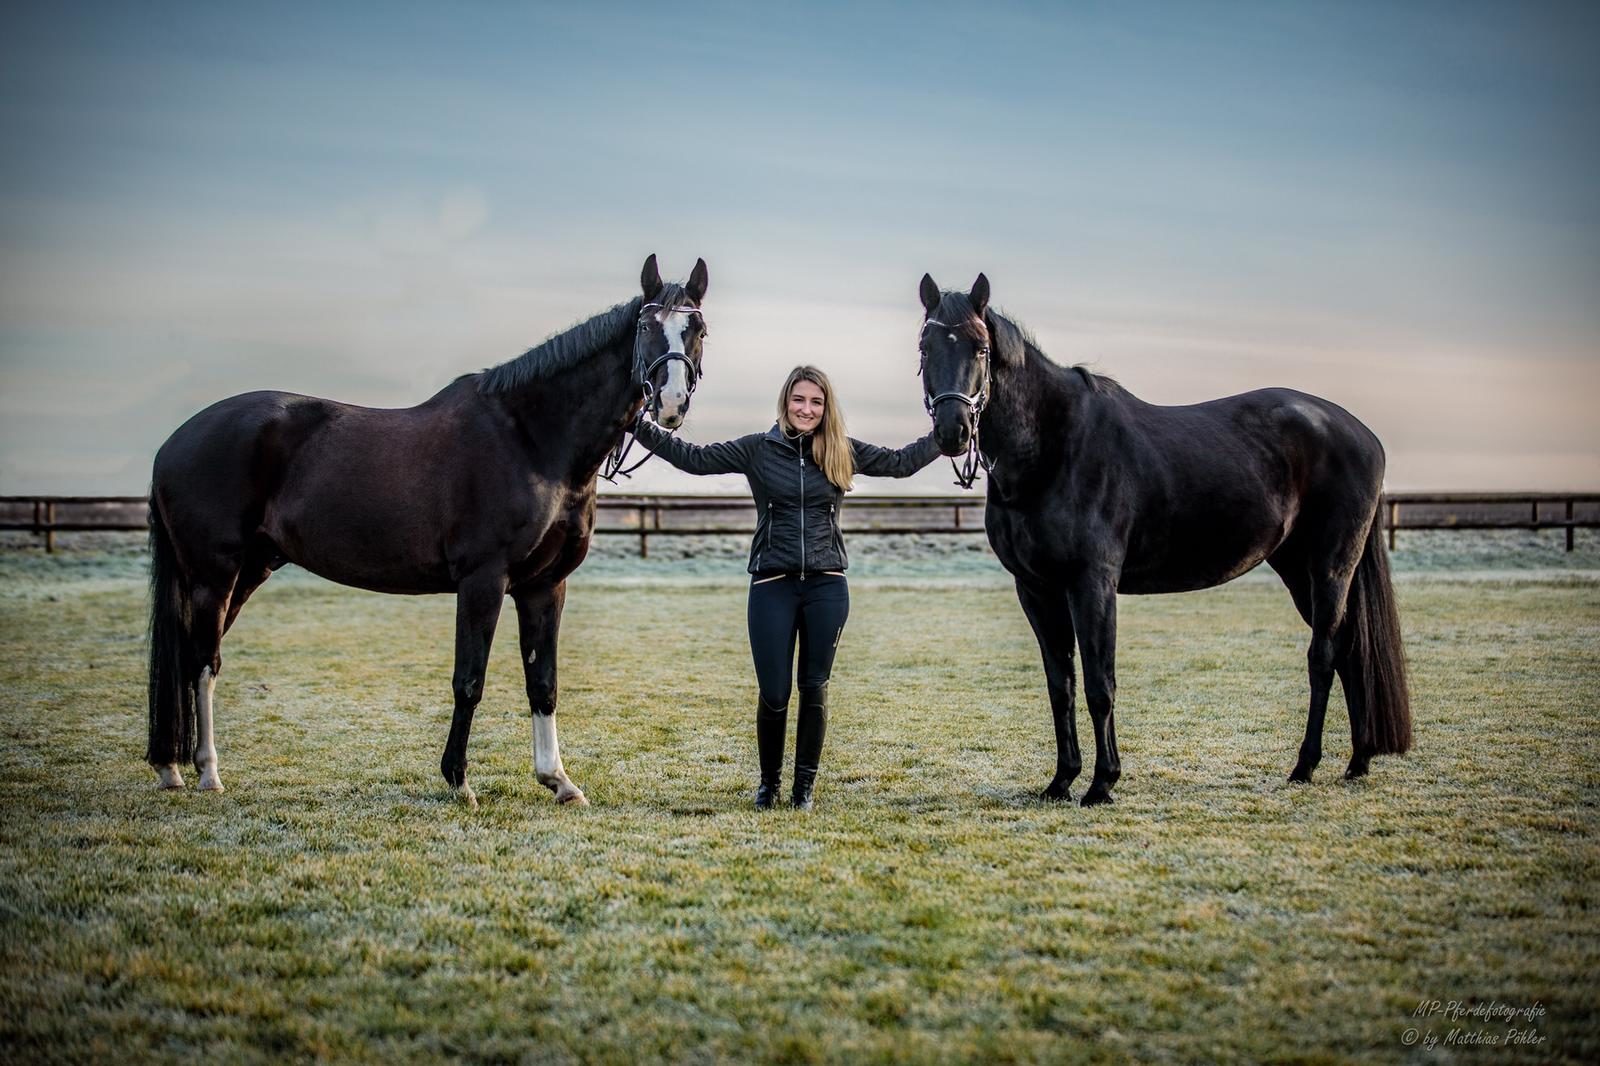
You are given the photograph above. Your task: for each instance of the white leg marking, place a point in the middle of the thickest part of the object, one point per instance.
(547, 762)
(469, 797)
(205, 747)
(168, 777)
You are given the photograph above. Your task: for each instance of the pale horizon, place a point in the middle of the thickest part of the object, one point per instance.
(1388, 206)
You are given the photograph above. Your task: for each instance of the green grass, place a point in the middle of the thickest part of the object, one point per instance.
(337, 902)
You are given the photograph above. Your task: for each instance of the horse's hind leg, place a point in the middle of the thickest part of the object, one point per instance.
(1355, 701)
(478, 601)
(210, 608)
(260, 560)
(1320, 594)
(213, 610)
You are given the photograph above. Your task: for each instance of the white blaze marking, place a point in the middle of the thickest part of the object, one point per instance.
(675, 393)
(205, 735)
(532, 655)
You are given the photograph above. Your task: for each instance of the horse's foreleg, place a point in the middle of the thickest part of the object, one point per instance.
(478, 602)
(538, 625)
(1093, 599)
(1051, 619)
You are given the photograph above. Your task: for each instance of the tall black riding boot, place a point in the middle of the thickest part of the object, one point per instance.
(772, 724)
(812, 727)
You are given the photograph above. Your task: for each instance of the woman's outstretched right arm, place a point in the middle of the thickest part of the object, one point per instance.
(727, 457)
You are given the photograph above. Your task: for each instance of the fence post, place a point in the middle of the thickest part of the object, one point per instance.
(644, 534)
(50, 528)
(1394, 520)
(1569, 525)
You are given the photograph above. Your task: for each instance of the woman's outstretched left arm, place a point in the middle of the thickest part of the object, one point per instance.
(874, 461)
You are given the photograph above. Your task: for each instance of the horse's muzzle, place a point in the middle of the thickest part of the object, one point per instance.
(952, 427)
(671, 417)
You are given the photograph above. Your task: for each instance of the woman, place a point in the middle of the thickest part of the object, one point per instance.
(799, 471)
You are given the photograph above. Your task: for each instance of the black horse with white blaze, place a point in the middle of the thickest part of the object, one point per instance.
(484, 490)
(1092, 492)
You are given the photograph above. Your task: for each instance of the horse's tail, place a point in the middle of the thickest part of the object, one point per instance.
(172, 694)
(1377, 657)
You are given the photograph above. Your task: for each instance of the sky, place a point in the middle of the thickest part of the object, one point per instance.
(1392, 205)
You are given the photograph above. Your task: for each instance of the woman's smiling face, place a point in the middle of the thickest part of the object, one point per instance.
(806, 406)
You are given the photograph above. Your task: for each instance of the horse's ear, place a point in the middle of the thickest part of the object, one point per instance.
(697, 282)
(930, 294)
(650, 278)
(979, 296)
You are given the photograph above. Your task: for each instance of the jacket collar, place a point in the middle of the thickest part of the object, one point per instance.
(776, 434)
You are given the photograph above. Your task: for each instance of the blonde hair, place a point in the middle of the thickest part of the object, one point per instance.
(830, 446)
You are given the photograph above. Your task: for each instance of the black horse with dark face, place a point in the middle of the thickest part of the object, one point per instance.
(485, 490)
(1092, 492)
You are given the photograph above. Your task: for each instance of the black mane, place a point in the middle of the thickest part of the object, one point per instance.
(1010, 341)
(572, 346)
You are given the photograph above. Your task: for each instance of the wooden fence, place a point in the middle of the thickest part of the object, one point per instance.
(673, 515)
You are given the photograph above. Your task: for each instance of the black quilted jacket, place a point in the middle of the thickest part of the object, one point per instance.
(797, 508)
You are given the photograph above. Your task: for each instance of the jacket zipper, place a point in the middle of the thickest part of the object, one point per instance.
(838, 534)
(801, 449)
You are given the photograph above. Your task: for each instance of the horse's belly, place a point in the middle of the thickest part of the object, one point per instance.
(374, 548)
(1136, 580)
(1181, 560)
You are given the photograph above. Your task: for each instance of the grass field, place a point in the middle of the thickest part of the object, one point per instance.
(337, 902)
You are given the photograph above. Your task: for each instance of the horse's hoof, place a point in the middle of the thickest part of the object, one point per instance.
(1056, 792)
(1096, 796)
(467, 796)
(168, 779)
(1300, 776)
(574, 798)
(1354, 771)
(210, 784)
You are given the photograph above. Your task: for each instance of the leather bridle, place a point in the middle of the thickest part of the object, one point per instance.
(967, 471)
(644, 369)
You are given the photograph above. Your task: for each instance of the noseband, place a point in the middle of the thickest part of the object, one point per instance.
(967, 471)
(644, 368)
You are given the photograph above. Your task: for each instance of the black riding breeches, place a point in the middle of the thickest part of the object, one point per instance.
(785, 609)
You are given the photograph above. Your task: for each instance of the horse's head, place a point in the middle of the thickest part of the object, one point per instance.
(671, 333)
(955, 362)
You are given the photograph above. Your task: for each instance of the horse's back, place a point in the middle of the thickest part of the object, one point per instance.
(1269, 444)
(1216, 487)
(358, 494)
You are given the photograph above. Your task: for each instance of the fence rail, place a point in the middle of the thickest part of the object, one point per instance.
(646, 516)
